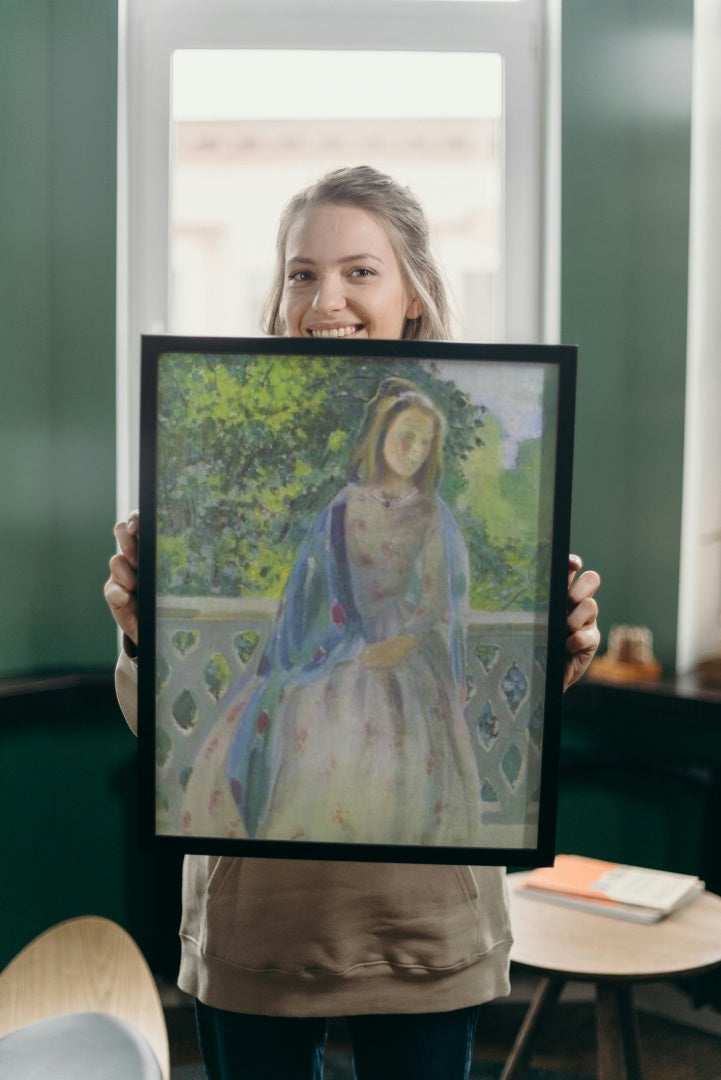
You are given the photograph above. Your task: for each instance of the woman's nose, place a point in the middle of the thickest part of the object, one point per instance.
(329, 296)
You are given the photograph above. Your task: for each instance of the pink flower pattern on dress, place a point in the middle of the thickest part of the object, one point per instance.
(390, 549)
(211, 747)
(330, 766)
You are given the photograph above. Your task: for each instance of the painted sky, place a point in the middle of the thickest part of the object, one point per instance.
(513, 392)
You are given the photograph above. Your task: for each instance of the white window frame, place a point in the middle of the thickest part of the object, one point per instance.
(526, 34)
(699, 598)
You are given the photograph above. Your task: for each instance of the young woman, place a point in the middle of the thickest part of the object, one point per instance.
(271, 948)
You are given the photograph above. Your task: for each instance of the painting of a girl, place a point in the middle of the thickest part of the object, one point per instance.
(352, 728)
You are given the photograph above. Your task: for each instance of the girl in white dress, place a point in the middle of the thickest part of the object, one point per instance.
(352, 728)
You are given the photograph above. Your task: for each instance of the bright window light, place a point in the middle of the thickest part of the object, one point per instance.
(220, 84)
(238, 154)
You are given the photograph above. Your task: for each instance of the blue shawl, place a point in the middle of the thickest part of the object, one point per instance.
(317, 627)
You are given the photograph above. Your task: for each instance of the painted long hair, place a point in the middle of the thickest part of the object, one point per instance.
(393, 397)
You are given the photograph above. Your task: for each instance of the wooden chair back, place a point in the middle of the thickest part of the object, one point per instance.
(87, 964)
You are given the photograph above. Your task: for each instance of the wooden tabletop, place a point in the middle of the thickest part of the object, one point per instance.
(581, 945)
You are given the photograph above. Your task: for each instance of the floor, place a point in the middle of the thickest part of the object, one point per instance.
(669, 1051)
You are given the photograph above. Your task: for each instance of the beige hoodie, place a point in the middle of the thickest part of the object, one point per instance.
(286, 937)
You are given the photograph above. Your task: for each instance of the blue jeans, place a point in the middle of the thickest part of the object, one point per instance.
(415, 1046)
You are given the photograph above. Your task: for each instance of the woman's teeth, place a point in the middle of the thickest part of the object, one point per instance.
(337, 331)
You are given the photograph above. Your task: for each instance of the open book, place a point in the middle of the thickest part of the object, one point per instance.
(608, 888)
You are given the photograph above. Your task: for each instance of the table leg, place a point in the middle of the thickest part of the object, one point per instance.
(545, 997)
(617, 1033)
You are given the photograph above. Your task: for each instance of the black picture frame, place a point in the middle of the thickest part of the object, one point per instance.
(270, 560)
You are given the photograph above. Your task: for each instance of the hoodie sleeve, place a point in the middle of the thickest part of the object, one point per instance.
(126, 688)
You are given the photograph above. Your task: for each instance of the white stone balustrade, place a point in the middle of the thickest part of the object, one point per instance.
(207, 645)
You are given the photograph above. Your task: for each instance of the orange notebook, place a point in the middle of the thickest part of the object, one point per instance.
(632, 892)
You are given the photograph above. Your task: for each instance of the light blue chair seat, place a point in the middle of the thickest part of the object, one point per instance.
(78, 1046)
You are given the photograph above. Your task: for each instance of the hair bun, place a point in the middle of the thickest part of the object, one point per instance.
(394, 386)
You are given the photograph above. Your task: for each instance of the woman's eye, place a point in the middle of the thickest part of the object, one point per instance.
(300, 276)
(362, 272)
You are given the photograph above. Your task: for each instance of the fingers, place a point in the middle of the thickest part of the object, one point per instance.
(583, 636)
(120, 600)
(123, 572)
(575, 562)
(123, 607)
(126, 534)
(584, 641)
(583, 587)
(582, 613)
(582, 607)
(120, 588)
(387, 654)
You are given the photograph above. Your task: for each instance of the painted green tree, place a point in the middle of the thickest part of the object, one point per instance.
(507, 524)
(250, 449)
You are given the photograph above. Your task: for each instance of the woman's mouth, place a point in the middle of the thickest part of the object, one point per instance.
(334, 331)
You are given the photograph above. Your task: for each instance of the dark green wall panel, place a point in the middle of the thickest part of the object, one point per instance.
(65, 789)
(58, 76)
(68, 798)
(626, 146)
(25, 397)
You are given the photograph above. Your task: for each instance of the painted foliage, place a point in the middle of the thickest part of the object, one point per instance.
(249, 451)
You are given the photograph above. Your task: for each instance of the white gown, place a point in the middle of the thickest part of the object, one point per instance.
(371, 753)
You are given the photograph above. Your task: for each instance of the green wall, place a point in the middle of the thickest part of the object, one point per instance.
(626, 136)
(68, 800)
(66, 758)
(58, 73)
(625, 200)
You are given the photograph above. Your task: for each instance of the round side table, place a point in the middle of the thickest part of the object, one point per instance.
(563, 944)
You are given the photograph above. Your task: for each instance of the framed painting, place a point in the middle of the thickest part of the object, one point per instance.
(352, 597)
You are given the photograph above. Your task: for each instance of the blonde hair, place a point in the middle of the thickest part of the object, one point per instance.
(402, 216)
(394, 396)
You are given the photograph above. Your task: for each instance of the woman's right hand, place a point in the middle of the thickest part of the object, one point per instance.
(121, 587)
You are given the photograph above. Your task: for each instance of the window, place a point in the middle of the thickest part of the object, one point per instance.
(236, 159)
(227, 107)
(699, 623)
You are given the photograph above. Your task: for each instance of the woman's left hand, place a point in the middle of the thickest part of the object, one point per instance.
(583, 635)
(389, 653)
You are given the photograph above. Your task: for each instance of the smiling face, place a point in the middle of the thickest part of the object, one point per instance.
(407, 444)
(342, 277)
